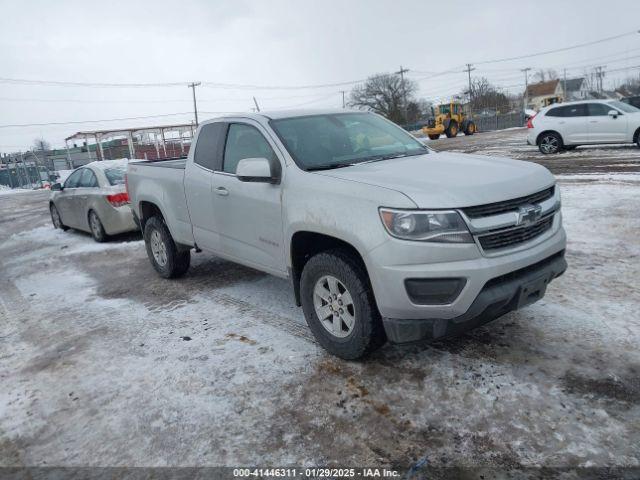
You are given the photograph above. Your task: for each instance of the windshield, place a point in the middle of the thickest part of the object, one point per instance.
(115, 175)
(342, 139)
(625, 107)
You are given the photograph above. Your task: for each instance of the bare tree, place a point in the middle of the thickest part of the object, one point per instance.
(383, 94)
(543, 75)
(40, 145)
(484, 96)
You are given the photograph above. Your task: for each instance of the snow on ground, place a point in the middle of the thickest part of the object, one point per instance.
(105, 363)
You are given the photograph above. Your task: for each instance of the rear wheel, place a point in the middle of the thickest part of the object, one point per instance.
(97, 230)
(452, 129)
(339, 305)
(167, 259)
(550, 143)
(433, 136)
(56, 219)
(471, 128)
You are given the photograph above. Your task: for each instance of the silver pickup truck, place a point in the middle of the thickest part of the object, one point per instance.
(381, 237)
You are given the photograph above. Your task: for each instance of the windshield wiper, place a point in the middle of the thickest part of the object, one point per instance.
(329, 166)
(389, 156)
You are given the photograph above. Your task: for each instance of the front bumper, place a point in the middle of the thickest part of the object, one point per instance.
(498, 296)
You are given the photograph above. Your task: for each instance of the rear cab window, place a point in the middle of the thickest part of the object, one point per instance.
(209, 146)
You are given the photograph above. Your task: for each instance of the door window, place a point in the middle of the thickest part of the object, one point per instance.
(245, 141)
(208, 145)
(88, 179)
(74, 179)
(598, 109)
(578, 110)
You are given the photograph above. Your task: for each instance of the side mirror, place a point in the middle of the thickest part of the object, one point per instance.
(256, 170)
(613, 113)
(56, 187)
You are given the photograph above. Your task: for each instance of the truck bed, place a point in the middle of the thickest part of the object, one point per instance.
(179, 163)
(160, 183)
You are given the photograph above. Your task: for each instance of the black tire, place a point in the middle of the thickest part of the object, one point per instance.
(549, 143)
(470, 128)
(96, 228)
(433, 136)
(176, 261)
(570, 147)
(56, 219)
(367, 333)
(452, 129)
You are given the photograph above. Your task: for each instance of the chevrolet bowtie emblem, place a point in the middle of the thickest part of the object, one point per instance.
(529, 214)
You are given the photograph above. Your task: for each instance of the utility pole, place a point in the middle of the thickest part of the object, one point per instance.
(526, 85)
(469, 70)
(193, 86)
(600, 76)
(564, 86)
(343, 92)
(255, 102)
(401, 72)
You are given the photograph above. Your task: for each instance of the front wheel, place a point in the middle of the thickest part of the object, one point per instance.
(56, 219)
(339, 305)
(550, 143)
(433, 136)
(471, 128)
(166, 258)
(452, 130)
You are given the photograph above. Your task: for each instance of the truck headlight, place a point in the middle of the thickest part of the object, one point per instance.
(427, 226)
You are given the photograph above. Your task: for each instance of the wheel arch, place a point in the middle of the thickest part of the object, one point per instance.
(147, 210)
(305, 244)
(546, 132)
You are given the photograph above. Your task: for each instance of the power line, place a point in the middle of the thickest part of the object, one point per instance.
(94, 121)
(557, 50)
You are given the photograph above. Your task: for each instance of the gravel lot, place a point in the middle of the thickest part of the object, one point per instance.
(102, 363)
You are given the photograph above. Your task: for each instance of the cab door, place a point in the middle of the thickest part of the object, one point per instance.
(605, 128)
(198, 184)
(248, 215)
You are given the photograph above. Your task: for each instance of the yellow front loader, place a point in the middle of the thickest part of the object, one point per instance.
(448, 118)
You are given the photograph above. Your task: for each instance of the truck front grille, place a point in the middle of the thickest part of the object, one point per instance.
(508, 205)
(514, 236)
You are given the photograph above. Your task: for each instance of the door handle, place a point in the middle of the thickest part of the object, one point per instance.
(222, 191)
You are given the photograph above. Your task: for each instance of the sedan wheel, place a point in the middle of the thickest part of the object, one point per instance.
(55, 218)
(97, 230)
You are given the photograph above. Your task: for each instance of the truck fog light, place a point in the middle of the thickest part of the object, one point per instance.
(434, 291)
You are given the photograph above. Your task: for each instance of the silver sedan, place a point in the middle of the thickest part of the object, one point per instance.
(94, 199)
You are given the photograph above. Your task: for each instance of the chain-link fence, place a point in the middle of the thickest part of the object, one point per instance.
(499, 121)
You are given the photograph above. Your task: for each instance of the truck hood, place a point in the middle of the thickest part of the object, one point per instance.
(451, 180)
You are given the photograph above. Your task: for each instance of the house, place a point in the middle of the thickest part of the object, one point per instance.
(539, 95)
(575, 89)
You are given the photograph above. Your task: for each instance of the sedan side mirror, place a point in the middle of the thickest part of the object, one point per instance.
(614, 113)
(256, 170)
(56, 187)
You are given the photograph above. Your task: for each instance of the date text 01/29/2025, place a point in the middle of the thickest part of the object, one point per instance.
(316, 472)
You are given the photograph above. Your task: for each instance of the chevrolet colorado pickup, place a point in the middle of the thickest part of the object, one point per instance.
(381, 237)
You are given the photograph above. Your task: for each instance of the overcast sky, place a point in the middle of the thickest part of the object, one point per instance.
(277, 43)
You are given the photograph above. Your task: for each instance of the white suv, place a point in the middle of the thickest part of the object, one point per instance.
(565, 126)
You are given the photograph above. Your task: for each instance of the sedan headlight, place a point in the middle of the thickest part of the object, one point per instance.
(427, 226)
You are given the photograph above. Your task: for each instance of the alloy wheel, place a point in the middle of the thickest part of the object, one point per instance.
(549, 144)
(334, 306)
(158, 248)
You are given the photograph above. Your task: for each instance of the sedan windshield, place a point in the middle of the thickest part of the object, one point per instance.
(319, 142)
(625, 107)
